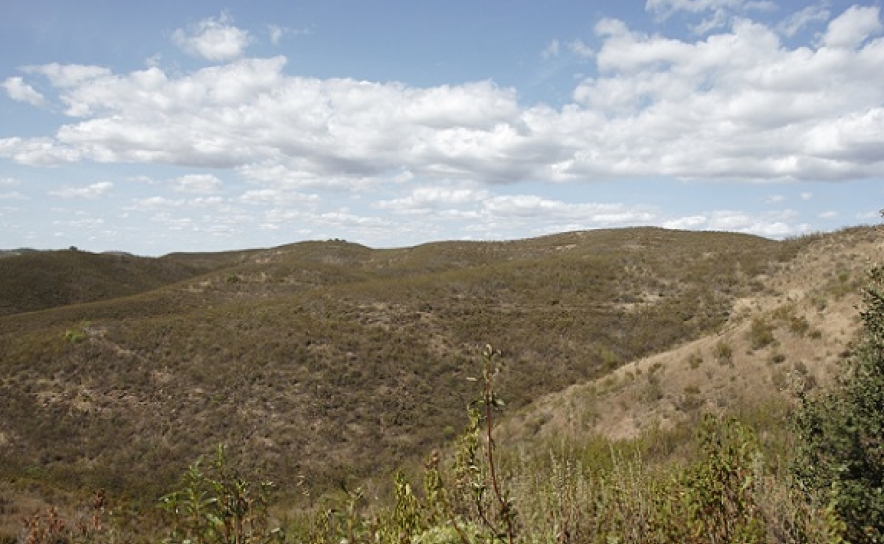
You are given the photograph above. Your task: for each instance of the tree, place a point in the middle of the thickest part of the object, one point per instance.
(841, 446)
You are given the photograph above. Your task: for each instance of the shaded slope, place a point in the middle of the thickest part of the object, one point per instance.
(47, 279)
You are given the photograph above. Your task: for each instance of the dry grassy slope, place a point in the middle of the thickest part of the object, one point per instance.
(809, 305)
(318, 359)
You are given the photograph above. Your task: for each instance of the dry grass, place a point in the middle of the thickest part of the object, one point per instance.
(322, 362)
(807, 306)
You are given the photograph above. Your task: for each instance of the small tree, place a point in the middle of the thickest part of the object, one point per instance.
(841, 446)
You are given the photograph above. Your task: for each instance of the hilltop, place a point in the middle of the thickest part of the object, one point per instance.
(321, 362)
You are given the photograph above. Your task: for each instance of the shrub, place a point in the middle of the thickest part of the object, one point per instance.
(219, 506)
(723, 352)
(760, 333)
(713, 500)
(841, 447)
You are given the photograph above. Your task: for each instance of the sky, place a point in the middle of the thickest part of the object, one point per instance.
(164, 126)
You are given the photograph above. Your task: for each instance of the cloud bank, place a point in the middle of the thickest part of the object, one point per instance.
(735, 102)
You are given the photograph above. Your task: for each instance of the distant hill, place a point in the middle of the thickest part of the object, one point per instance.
(37, 280)
(320, 361)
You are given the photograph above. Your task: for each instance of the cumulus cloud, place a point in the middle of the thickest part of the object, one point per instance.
(197, 183)
(93, 190)
(66, 76)
(214, 39)
(737, 104)
(495, 215)
(445, 200)
(17, 89)
(773, 225)
(156, 202)
(853, 27)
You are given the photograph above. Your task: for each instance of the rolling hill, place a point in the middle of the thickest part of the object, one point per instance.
(319, 362)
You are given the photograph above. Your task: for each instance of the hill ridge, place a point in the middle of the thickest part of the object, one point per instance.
(327, 358)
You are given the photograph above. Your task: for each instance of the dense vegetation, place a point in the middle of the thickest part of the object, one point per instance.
(842, 432)
(328, 367)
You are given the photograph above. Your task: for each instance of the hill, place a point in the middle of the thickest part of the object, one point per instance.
(322, 361)
(789, 337)
(37, 280)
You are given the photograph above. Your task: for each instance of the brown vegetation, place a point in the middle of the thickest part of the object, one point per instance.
(324, 363)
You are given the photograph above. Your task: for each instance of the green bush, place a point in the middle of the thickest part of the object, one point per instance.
(841, 448)
(218, 506)
(760, 333)
(713, 500)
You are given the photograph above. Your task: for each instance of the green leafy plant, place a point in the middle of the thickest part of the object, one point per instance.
(218, 506)
(841, 446)
(713, 500)
(476, 466)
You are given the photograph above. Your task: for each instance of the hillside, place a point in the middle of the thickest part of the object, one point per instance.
(793, 335)
(321, 361)
(38, 280)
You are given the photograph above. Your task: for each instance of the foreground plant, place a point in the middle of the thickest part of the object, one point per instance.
(92, 525)
(841, 451)
(218, 506)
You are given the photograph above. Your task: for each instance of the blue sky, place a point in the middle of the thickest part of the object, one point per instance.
(162, 126)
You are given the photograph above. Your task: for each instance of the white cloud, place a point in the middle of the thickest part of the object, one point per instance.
(803, 18)
(17, 89)
(771, 225)
(93, 190)
(717, 13)
(666, 8)
(853, 27)
(589, 214)
(449, 201)
(277, 33)
(66, 76)
(213, 39)
(156, 202)
(197, 183)
(737, 104)
(828, 215)
(277, 197)
(37, 151)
